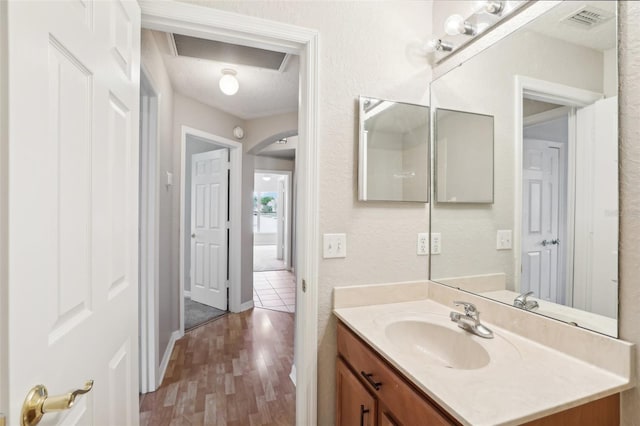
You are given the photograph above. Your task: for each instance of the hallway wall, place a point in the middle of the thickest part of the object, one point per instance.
(151, 57)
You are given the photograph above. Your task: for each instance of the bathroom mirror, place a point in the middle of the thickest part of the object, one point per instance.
(552, 228)
(393, 151)
(464, 157)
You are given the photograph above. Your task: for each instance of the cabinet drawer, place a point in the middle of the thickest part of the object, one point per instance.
(408, 407)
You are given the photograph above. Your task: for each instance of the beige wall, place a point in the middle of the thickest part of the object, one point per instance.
(363, 51)
(153, 64)
(264, 130)
(629, 103)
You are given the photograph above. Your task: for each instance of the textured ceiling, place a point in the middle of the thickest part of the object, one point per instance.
(263, 92)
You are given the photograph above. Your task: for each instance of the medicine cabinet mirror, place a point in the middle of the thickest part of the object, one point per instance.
(393, 151)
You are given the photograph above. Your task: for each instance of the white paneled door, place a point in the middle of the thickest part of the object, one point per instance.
(209, 212)
(73, 183)
(541, 218)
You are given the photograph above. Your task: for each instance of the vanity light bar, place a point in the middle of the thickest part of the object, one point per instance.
(488, 14)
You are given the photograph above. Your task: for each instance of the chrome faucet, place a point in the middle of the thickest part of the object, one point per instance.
(470, 320)
(522, 302)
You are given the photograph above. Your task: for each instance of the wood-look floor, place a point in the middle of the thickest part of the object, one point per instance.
(233, 371)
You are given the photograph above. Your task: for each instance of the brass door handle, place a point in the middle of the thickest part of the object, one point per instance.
(38, 403)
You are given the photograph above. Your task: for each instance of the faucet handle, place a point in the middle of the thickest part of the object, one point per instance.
(469, 308)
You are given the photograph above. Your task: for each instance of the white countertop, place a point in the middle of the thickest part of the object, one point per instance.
(523, 381)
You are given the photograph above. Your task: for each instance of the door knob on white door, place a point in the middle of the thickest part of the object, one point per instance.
(550, 242)
(193, 235)
(38, 403)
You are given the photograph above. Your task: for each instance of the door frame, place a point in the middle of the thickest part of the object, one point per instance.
(210, 23)
(544, 91)
(234, 254)
(289, 211)
(149, 219)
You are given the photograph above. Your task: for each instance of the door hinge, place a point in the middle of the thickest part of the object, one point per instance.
(304, 286)
(228, 224)
(227, 283)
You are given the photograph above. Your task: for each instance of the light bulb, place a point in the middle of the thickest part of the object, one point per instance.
(229, 83)
(456, 24)
(452, 24)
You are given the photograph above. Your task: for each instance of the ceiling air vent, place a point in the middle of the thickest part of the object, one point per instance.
(588, 17)
(228, 53)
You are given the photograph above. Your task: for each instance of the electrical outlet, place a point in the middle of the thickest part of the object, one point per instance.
(423, 245)
(504, 239)
(335, 245)
(436, 243)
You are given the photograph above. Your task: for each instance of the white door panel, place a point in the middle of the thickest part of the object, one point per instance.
(73, 172)
(596, 253)
(541, 218)
(209, 202)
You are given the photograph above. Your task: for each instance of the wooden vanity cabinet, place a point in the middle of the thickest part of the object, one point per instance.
(396, 401)
(355, 405)
(366, 382)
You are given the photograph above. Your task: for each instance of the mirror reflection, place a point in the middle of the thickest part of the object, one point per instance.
(464, 157)
(393, 151)
(548, 244)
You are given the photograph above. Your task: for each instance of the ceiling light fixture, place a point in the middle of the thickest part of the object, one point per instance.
(228, 82)
(456, 24)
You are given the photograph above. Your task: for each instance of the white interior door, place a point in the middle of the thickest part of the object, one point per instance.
(596, 253)
(209, 207)
(73, 195)
(541, 216)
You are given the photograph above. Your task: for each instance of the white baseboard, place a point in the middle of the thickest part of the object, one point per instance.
(292, 375)
(246, 306)
(187, 294)
(167, 356)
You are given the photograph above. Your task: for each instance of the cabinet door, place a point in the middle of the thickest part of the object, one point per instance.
(354, 405)
(386, 419)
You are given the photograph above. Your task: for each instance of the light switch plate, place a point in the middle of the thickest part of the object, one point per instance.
(335, 245)
(504, 239)
(436, 243)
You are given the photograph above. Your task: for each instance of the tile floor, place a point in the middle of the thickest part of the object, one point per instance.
(274, 290)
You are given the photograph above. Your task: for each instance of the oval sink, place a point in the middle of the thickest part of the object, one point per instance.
(444, 346)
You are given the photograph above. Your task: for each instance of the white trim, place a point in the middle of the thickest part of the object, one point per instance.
(235, 212)
(246, 306)
(543, 91)
(215, 24)
(149, 235)
(167, 355)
